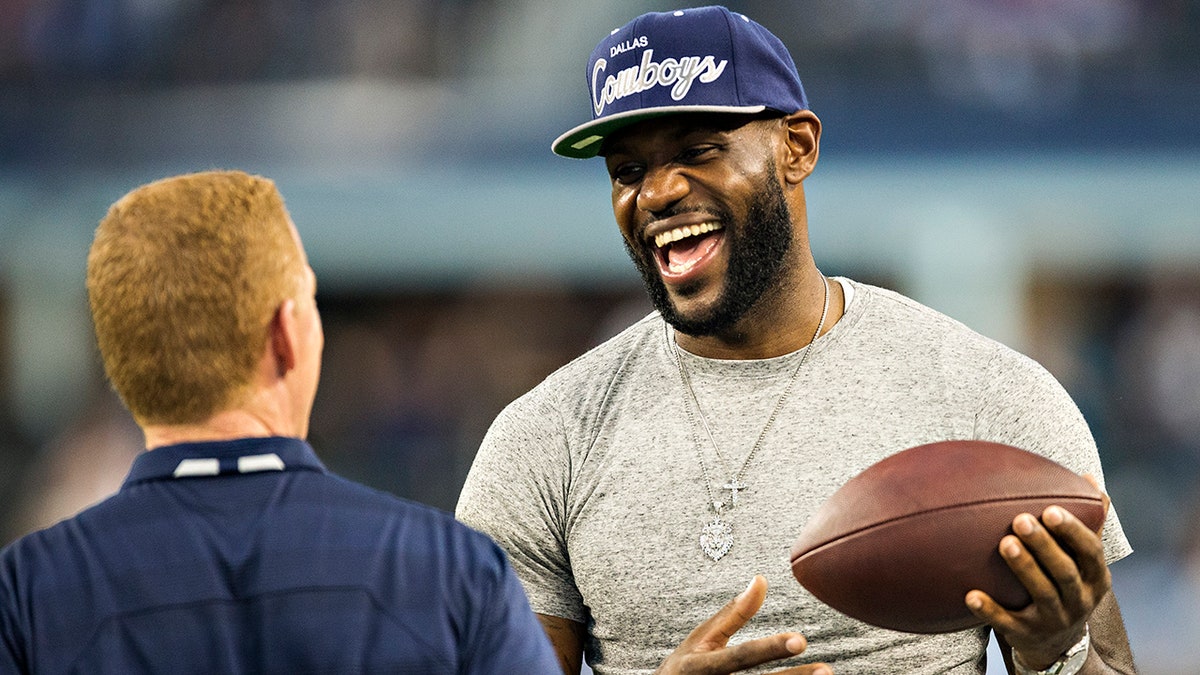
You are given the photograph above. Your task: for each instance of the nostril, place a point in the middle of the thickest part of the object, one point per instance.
(661, 190)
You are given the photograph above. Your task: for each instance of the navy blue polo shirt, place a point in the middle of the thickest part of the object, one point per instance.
(248, 556)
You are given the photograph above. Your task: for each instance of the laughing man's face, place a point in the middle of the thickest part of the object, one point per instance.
(703, 216)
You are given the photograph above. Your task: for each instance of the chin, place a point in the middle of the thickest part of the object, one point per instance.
(697, 323)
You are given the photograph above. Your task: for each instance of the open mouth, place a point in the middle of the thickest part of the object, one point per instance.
(679, 250)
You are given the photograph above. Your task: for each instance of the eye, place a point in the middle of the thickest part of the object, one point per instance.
(626, 173)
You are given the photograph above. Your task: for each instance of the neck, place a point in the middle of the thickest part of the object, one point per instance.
(223, 426)
(778, 325)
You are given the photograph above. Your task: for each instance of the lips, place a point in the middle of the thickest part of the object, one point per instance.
(682, 249)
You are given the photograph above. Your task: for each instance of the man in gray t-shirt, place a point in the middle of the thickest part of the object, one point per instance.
(642, 486)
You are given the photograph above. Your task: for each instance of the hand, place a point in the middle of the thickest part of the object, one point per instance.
(1061, 563)
(704, 651)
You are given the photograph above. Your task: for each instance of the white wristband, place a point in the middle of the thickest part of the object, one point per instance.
(1069, 663)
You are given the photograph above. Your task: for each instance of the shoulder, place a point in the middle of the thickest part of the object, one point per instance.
(39, 571)
(51, 551)
(611, 356)
(588, 380)
(886, 326)
(890, 331)
(13, 627)
(408, 525)
(908, 318)
(541, 440)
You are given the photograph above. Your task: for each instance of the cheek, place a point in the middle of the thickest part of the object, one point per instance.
(624, 204)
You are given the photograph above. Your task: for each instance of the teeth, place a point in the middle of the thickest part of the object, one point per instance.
(678, 233)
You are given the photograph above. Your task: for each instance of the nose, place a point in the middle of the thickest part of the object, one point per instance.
(661, 188)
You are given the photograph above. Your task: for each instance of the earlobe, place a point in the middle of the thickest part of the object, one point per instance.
(283, 337)
(802, 145)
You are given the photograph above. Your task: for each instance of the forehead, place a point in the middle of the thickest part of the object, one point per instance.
(672, 129)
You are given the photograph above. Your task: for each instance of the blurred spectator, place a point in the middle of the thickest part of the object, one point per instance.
(411, 382)
(102, 39)
(211, 41)
(1155, 404)
(82, 465)
(1025, 56)
(1160, 355)
(1022, 56)
(386, 430)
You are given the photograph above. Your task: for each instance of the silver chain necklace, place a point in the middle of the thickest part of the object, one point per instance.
(716, 538)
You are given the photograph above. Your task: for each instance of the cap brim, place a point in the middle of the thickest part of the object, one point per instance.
(585, 140)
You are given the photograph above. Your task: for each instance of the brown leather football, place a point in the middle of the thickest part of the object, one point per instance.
(900, 544)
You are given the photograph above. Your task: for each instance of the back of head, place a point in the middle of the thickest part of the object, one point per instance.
(184, 276)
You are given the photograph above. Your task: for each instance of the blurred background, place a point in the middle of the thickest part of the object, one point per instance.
(1030, 167)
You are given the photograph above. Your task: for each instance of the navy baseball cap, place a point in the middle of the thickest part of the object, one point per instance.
(705, 59)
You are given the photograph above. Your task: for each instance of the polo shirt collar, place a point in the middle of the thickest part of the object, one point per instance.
(216, 458)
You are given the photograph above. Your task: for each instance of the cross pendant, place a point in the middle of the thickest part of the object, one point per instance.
(733, 486)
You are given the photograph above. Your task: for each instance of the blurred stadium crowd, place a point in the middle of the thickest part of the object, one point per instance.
(415, 371)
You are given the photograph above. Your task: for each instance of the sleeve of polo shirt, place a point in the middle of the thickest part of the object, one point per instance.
(11, 653)
(507, 637)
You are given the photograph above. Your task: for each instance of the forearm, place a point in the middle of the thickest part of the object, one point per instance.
(1108, 648)
(1096, 665)
(1104, 659)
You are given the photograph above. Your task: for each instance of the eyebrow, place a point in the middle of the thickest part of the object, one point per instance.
(675, 134)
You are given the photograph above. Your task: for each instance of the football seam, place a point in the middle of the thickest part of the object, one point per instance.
(951, 507)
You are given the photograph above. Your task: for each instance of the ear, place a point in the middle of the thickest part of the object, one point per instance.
(283, 337)
(801, 146)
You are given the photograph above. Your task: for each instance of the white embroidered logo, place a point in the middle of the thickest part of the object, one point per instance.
(678, 74)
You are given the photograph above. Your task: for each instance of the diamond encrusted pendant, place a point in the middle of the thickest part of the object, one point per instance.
(716, 538)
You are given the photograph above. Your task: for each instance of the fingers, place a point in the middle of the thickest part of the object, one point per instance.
(715, 632)
(1060, 561)
(983, 606)
(1058, 547)
(1043, 584)
(1043, 566)
(749, 654)
(705, 649)
(810, 669)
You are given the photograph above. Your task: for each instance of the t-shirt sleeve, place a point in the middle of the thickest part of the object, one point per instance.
(1025, 406)
(516, 492)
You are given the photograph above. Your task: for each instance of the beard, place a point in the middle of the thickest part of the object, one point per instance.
(757, 249)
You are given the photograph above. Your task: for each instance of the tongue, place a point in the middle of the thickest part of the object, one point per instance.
(686, 251)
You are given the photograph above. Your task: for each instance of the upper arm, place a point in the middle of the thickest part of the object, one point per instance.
(1109, 641)
(517, 492)
(1025, 406)
(566, 636)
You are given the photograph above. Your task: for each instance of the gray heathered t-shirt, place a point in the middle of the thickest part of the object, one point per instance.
(592, 481)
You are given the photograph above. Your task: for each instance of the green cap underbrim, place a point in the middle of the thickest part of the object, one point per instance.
(585, 140)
